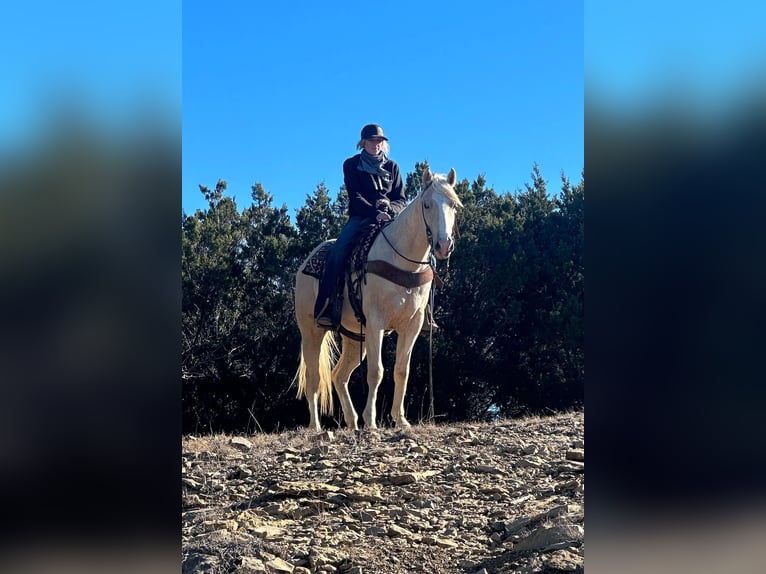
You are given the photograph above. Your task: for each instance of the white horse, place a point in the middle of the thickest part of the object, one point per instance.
(424, 227)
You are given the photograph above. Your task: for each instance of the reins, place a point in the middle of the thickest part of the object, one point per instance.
(429, 236)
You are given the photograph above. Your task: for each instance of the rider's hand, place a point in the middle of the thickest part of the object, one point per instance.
(383, 216)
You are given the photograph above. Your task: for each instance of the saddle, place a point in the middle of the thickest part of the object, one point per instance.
(358, 266)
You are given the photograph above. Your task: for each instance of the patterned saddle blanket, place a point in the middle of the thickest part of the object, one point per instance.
(354, 273)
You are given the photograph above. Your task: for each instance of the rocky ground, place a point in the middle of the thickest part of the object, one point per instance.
(469, 498)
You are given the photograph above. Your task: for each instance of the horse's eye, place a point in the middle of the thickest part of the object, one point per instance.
(426, 205)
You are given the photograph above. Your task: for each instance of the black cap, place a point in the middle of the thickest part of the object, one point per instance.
(373, 131)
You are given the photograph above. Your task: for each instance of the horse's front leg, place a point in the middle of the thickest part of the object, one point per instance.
(404, 346)
(349, 360)
(374, 344)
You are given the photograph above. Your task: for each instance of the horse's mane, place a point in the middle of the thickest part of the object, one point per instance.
(440, 185)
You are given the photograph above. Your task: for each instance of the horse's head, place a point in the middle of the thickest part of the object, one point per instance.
(440, 201)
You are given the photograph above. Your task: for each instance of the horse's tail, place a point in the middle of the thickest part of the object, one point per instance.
(328, 354)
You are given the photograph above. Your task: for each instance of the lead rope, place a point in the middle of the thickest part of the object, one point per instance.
(431, 413)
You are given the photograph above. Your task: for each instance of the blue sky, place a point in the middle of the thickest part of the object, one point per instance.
(111, 59)
(277, 92)
(707, 53)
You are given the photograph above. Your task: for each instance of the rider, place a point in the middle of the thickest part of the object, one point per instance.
(375, 193)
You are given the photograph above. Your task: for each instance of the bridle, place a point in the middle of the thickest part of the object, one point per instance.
(429, 235)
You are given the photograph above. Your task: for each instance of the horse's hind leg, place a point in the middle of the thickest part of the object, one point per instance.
(350, 359)
(310, 349)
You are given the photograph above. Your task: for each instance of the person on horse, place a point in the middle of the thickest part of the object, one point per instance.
(375, 193)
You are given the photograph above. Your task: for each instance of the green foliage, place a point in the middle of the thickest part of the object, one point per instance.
(511, 311)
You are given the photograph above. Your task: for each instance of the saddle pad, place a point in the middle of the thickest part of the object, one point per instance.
(315, 264)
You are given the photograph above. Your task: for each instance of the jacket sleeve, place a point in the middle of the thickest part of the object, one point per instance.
(396, 195)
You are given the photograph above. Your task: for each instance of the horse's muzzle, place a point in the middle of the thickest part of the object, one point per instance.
(444, 248)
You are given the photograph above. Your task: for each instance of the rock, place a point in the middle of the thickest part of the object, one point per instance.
(191, 483)
(547, 537)
(440, 542)
(563, 561)
(428, 500)
(488, 469)
(320, 450)
(400, 479)
(241, 443)
(252, 565)
(529, 449)
(576, 454)
(532, 461)
(277, 565)
(267, 532)
(410, 477)
(572, 466)
(229, 525)
(304, 487)
(516, 525)
(394, 530)
(364, 493)
(200, 563)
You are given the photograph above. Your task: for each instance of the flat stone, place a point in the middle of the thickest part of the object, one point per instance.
(267, 532)
(394, 530)
(572, 466)
(241, 443)
(545, 537)
(488, 469)
(277, 565)
(440, 542)
(252, 565)
(401, 479)
(303, 487)
(577, 454)
(364, 493)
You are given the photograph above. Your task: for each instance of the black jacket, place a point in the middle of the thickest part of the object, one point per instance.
(364, 189)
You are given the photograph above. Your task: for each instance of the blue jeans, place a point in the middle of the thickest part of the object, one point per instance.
(336, 259)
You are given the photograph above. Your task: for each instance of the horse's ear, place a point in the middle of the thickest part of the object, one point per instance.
(427, 177)
(452, 176)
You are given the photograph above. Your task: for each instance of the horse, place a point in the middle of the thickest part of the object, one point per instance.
(422, 229)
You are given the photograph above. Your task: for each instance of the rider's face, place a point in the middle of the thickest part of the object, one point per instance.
(373, 145)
